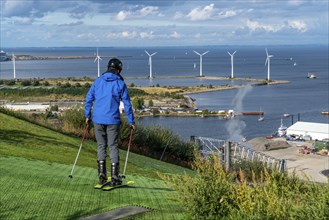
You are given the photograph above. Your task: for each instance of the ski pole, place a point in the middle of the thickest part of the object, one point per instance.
(76, 159)
(129, 143)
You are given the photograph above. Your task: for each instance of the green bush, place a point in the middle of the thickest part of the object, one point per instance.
(215, 193)
(10, 82)
(35, 83)
(26, 82)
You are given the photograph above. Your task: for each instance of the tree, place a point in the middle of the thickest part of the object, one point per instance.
(35, 83)
(138, 103)
(26, 83)
(151, 104)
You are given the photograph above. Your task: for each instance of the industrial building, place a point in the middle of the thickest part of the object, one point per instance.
(27, 106)
(317, 131)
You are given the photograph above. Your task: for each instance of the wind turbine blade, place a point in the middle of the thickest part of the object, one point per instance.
(205, 53)
(266, 52)
(197, 53)
(99, 58)
(147, 53)
(95, 60)
(229, 53)
(233, 53)
(266, 61)
(153, 53)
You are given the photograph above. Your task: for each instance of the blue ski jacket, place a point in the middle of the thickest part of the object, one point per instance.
(104, 98)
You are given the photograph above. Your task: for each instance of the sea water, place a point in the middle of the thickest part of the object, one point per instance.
(302, 98)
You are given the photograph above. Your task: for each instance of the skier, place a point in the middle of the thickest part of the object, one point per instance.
(104, 98)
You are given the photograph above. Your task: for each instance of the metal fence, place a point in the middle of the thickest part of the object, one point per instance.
(229, 152)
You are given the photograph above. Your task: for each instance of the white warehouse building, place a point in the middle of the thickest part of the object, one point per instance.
(26, 106)
(317, 131)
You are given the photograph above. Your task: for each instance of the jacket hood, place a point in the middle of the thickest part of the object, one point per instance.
(109, 76)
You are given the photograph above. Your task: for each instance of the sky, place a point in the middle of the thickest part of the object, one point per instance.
(133, 23)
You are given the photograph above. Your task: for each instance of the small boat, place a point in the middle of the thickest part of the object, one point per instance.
(282, 130)
(311, 75)
(261, 118)
(286, 115)
(325, 113)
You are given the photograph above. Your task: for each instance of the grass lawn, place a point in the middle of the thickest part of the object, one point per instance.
(35, 164)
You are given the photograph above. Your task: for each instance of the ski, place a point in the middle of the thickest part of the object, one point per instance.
(108, 187)
(100, 186)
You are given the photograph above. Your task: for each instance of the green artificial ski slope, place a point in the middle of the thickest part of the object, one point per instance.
(35, 163)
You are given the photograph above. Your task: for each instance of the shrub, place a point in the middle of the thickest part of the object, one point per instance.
(10, 82)
(214, 193)
(35, 83)
(26, 83)
(73, 120)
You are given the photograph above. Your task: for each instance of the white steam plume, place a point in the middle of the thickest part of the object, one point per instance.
(235, 126)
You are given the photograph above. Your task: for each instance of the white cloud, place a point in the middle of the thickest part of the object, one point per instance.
(254, 25)
(175, 35)
(178, 15)
(23, 20)
(149, 10)
(298, 24)
(88, 37)
(144, 12)
(122, 15)
(146, 35)
(295, 2)
(199, 14)
(129, 35)
(16, 8)
(227, 14)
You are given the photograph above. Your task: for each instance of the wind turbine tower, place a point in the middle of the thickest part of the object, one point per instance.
(14, 65)
(150, 62)
(232, 56)
(201, 60)
(268, 59)
(97, 58)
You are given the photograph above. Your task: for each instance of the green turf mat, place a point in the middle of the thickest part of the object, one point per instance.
(33, 189)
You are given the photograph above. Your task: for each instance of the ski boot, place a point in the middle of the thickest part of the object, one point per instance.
(102, 172)
(115, 178)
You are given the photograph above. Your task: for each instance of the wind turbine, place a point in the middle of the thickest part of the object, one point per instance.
(232, 56)
(150, 62)
(97, 58)
(201, 60)
(14, 65)
(268, 64)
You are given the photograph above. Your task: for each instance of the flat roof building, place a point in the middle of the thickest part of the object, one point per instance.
(26, 106)
(317, 131)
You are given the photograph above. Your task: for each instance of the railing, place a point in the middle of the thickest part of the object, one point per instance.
(229, 152)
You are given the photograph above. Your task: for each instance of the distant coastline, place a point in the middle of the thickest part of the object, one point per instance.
(30, 57)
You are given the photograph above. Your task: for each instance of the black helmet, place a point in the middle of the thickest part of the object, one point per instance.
(115, 63)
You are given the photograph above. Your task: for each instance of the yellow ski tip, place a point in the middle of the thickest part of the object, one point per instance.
(130, 182)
